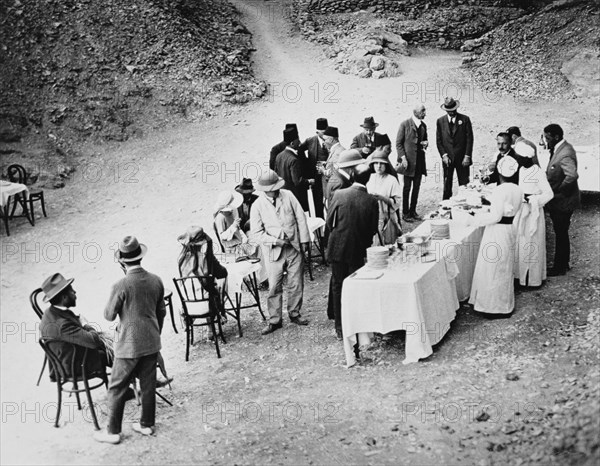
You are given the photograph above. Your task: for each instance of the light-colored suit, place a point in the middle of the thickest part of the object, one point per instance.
(284, 220)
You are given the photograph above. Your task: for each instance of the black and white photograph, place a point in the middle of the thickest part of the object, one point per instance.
(300, 232)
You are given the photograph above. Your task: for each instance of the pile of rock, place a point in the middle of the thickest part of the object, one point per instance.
(551, 54)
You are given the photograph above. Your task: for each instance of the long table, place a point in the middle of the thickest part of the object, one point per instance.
(421, 298)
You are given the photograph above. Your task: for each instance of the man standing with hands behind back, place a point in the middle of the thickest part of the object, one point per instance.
(455, 145)
(138, 300)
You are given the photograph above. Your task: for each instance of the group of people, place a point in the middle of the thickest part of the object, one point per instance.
(357, 192)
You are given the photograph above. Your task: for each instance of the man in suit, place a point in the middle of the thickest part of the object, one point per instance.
(343, 172)
(288, 165)
(279, 147)
(365, 141)
(352, 220)
(246, 189)
(411, 143)
(503, 141)
(279, 224)
(562, 176)
(137, 299)
(59, 322)
(515, 134)
(316, 153)
(454, 135)
(334, 148)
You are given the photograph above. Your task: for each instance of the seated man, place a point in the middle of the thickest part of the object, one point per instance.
(60, 323)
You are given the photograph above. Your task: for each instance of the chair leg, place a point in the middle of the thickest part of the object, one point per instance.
(172, 316)
(5, 218)
(43, 204)
(164, 399)
(220, 325)
(212, 326)
(187, 342)
(59, 386)
(88, 394)
(28, 211)
(309, 260)
(42, 371)
(238, 313)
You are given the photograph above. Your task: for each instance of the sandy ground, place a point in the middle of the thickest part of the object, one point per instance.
(286, 398)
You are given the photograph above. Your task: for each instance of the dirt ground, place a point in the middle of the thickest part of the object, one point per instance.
(495, 391)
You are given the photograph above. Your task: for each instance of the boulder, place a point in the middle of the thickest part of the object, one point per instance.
(366, 73)
(377, 63)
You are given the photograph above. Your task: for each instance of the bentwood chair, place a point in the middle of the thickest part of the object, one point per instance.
(202, 305)
(218, 236)
(73, 371)
(17, 174)
(35, 305)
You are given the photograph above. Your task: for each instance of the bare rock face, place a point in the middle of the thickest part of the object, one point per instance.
(582, 72)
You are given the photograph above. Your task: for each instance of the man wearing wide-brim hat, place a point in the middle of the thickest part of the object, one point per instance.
(61, 323)
(138, 301)
(343, 172)
(365, 141)
(454, 135)
(246, 189)
(278, 223)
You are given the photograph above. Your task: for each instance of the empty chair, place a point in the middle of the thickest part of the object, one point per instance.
(17, 174)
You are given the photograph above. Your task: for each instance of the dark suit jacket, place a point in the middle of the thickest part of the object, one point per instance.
(458, 143)
(336, 181)
(289, 166)
(352, 220)
(314, 152)
(562, 176)
(66, 327)
(360, 140)
(138, 300)
(275, 151)
(407, 145)
(246, 218)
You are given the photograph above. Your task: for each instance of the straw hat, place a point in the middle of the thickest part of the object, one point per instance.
(227, 201)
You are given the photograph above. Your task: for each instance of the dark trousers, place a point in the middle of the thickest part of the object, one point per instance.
(413, 182)
(562, 246)
(123, 372)
(339, 271)
(317, 192)
(462, 173)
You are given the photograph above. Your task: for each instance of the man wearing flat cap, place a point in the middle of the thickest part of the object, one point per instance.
(138, 300)
(60, 322)
(288, 165)
(278, 223)
(316, 153)
(454, 135)
(365, 141)
(280, 146)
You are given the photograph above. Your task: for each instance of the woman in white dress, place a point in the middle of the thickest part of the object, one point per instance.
(530, 257)
(384, 186)
(493, 281)
(228, 225)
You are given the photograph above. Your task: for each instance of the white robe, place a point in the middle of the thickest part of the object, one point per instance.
(493, 290)
(530, 257)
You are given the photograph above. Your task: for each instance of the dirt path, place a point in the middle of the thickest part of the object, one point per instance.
(286, 398)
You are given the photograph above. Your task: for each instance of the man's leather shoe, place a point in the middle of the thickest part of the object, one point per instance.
(141, 429)
(555, 272)
(407, 218)
(416, 217)
(271, 328)
(299, 320)
(339, 335)
(104, 437)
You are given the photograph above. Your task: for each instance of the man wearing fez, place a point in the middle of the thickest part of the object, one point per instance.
(279, 225)
(332, 142)
(352, 220)
(562, 176)
(61, 323)
(288, 165)
(411, 144)
(365, 141)
(138, 300)
(279, 147)
(454, 135)
(316, 154)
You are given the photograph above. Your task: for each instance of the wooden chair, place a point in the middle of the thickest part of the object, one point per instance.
(17, 174)
(218, 237)
(200, 301)
(73, 373)
(35, 305)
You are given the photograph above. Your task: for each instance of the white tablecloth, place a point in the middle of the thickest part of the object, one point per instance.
(461, 248)
(8, 189)
(419, 298)
(236, 272)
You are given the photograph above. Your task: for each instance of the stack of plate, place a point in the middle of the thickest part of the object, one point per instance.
(440, 229)
(377, 257)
